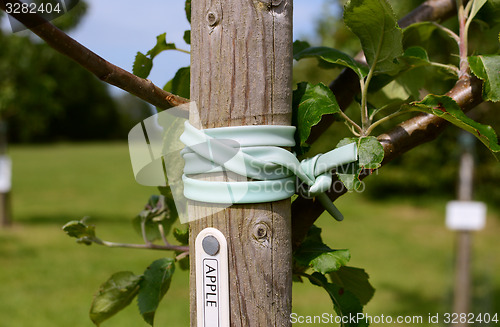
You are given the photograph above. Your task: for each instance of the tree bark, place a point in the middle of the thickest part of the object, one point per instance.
(241, 74)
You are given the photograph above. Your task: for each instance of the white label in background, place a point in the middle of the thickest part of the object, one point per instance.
(212, 279)
(465, 215)
(5, 174)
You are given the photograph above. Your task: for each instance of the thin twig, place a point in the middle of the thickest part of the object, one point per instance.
(182, 256)
(101, 68)
(384, 119)
(351, 122)
(150, 246)
(452, 34)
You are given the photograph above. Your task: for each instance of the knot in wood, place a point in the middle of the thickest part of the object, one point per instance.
(261, 232)
(212, 18)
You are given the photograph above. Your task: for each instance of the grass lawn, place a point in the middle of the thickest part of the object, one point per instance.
(46, 279)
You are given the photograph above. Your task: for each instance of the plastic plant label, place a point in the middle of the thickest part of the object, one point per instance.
(212, 281)
(5, 174)
(465, 215)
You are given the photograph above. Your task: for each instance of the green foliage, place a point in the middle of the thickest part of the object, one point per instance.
(187, 36)
(476, 6)
(370, 152)
(345, 303)
(58, 100)
(182, 236)
(154, 286)
(487, 68)
(315, 254)
(375, 24)
(446, 108)
(329, 55)
(310, 103)
(79, 230)
(121, 288)
(187, 8)
(180, 84)
(156, 218)
(349, 288)
(114, 295)
(354, 280)
(143, 63)
(370, 156)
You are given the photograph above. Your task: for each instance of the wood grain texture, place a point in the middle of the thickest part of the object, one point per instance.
(241, 74)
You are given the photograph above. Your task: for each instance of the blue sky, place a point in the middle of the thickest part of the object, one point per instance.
(116, 30)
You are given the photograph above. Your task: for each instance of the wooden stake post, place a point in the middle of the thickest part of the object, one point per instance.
(241, 74)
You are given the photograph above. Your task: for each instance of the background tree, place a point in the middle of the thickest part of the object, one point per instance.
(39, 107)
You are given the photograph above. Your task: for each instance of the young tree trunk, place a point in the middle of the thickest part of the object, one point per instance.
(241, 73)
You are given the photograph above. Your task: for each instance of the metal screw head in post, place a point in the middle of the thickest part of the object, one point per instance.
(210, 245)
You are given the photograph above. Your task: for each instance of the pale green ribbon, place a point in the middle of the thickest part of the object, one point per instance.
(256, 153)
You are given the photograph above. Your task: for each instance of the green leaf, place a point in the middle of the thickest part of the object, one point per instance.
(79, 230)
(446, 108)
(370, 152)
(154, 286)
(161, 45)
(317, 255)
(487, 68)
(187, 36)
(354, 280)
(310, 103)
(349, 176)
(330, 261)
(114, 295)
(416, 56)
(182, 236)
(476, 6)
(299, 46)
(183, 263)
(375, 24)
(332, 56)
(345, 303)
(180, 84)
(187, 8)
(142, 65)
(370, 156)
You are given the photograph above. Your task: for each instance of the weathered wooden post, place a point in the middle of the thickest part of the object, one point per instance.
(241, 74)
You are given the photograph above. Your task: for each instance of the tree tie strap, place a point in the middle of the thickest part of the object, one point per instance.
(264, 171)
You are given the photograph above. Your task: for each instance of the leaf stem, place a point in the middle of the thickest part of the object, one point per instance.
(452, 34)
(143, 232)
(352, 122)
(182, 256)
(451, 68)
(384, 119)
(364, 84)
(183, 51)
(463, 46)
